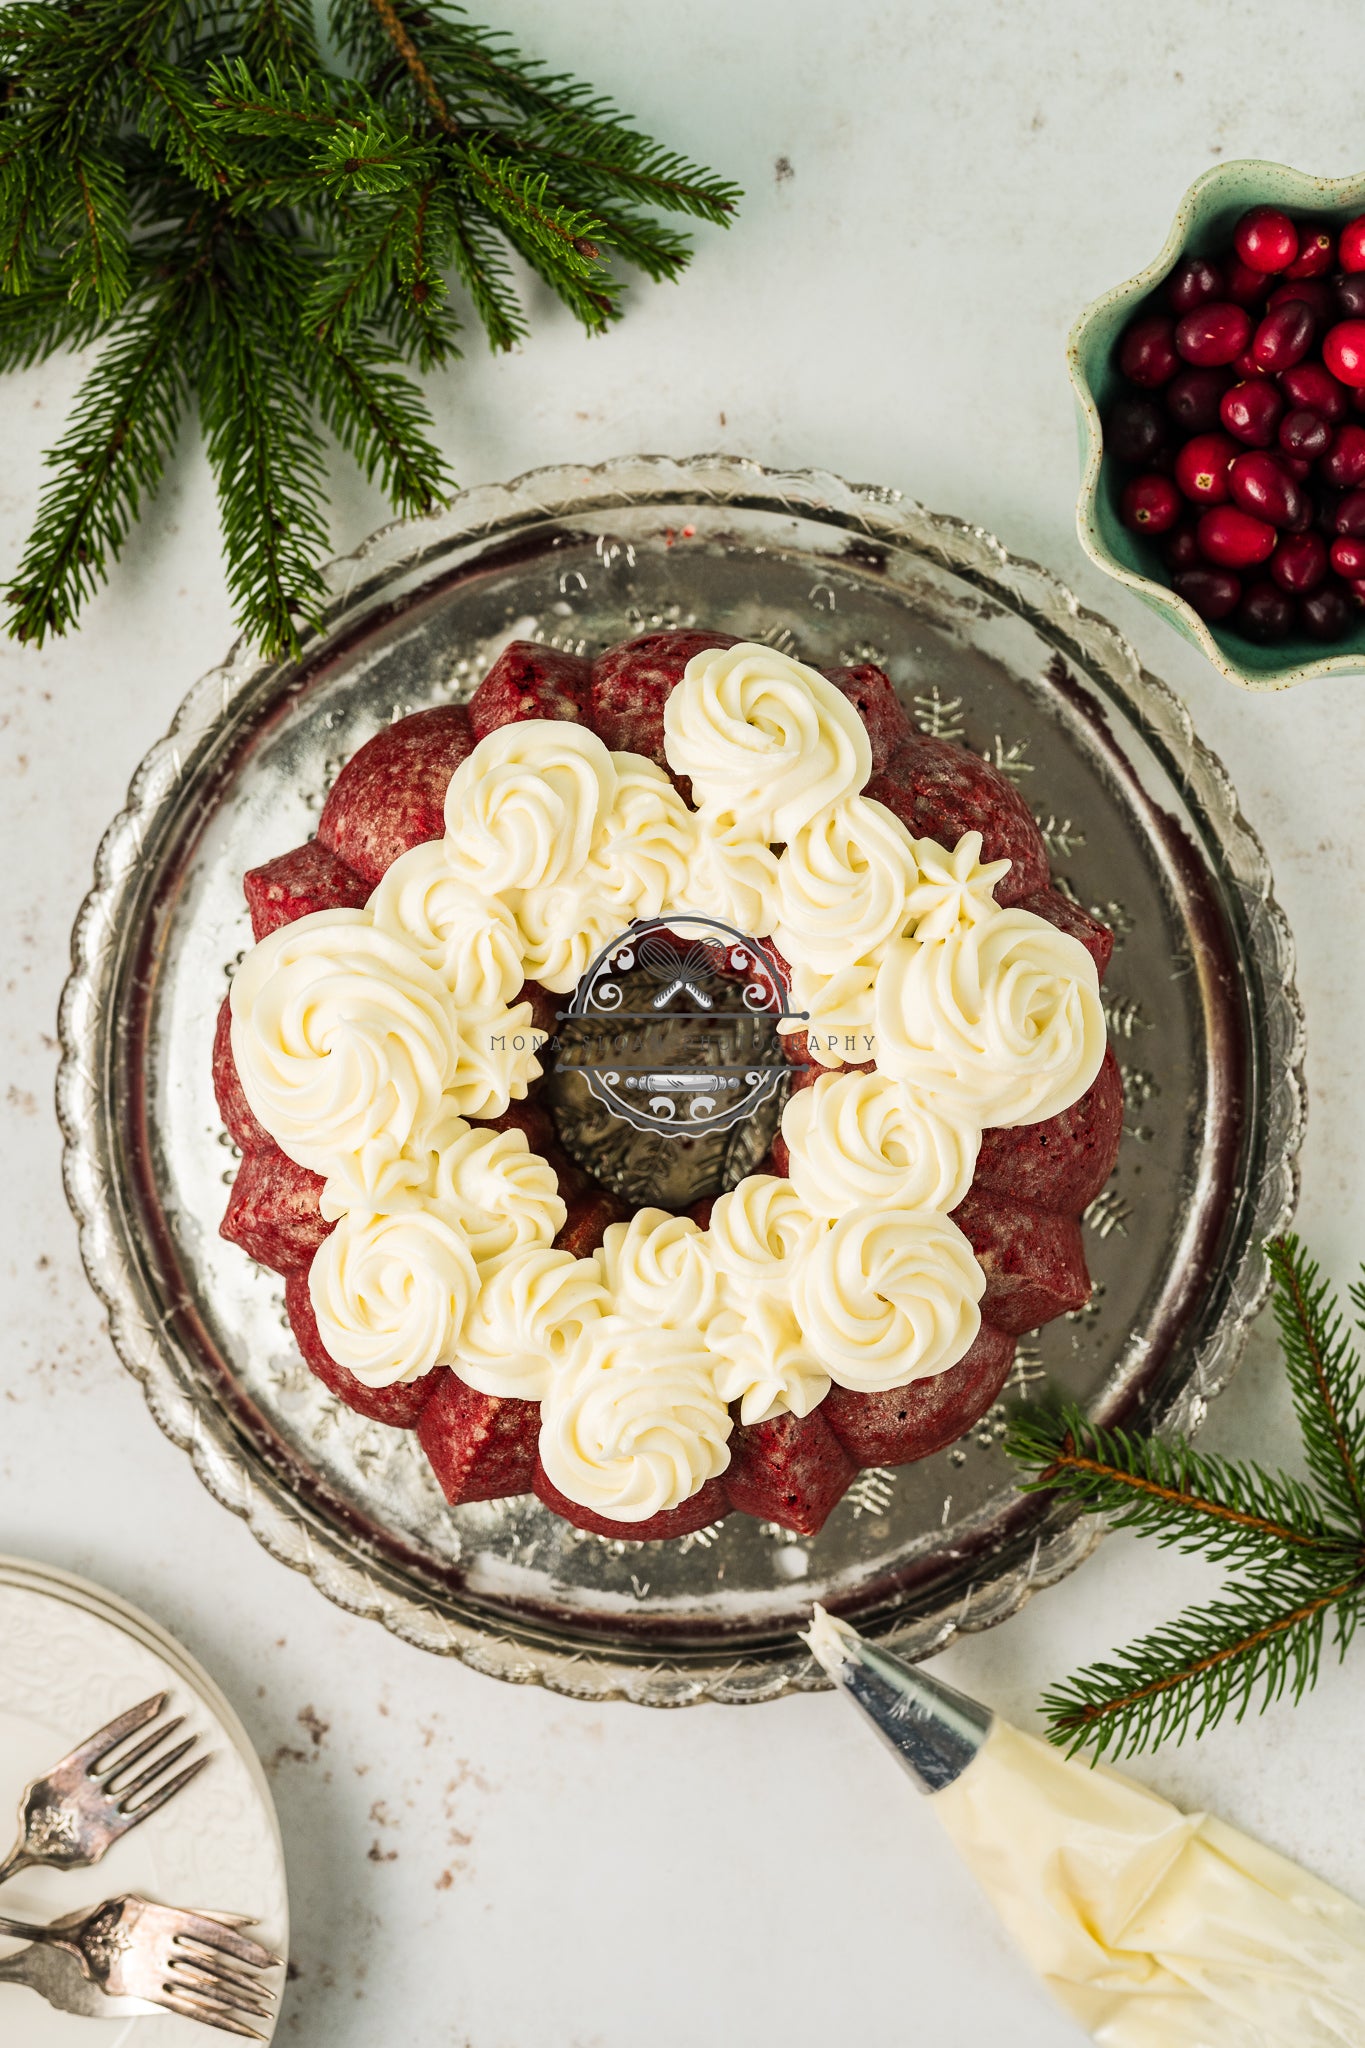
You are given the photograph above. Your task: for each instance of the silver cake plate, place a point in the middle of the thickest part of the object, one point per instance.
(1142, 826)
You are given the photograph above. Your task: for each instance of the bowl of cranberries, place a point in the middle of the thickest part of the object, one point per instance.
(1222, 396)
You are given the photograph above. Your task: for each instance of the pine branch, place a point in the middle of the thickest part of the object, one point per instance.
(1256, 1644)
(111, 457)
(1298, 1551)
(276, 235)
(1226, 1510)
(1325, 1376)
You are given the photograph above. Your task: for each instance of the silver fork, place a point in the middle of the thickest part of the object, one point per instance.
(71, 1817)
(129, 1955)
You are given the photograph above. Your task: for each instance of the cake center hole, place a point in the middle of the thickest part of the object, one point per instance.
(668, 1081)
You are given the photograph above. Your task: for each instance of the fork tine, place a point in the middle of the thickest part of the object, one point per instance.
(109, 1771)
(213, 1934)
(156, 1799)
(253, 1999)
(97, 1745)
(156, 1769)
(209, 2016)
(213, 1963)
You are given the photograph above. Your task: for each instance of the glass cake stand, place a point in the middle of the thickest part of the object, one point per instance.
(1142, 825)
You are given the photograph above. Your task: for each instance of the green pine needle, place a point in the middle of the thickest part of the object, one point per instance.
(1296, 1552)
(272, 236)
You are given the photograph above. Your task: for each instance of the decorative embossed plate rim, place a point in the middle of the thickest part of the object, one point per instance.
(391, 563)
(90, 1700)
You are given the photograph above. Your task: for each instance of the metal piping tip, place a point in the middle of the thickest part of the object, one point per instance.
(934, 1731)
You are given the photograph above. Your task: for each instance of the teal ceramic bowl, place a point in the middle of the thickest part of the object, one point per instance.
(1203, 223)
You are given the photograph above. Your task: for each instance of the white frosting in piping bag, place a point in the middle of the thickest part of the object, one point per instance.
(1155, 1928)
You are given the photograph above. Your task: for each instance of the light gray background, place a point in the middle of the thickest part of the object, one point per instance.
(933, 193)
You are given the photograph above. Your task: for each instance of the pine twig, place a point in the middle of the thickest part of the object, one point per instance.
(1297, 1551)
(274, 235)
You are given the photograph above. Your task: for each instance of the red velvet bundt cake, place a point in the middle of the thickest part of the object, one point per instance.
(953, 1105)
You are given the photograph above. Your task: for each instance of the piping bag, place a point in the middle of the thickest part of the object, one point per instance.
(1154, 1928)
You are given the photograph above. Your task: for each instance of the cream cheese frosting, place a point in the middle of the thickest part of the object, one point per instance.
(1001, 1017)
(390, 1292)
(764, 737)
(531, 1307)
(367, 1040)
(863, 1138)
(633, 1424)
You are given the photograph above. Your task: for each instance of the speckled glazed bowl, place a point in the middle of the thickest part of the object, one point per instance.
(1203, 223)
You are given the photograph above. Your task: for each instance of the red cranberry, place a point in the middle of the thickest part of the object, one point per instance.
(1353, 244)
(1326, 613)
(1245, 286)
(1357, 590)
(1265, 612)
(1212, 592)
(1343, 350)
(1136, 430)
(1192, 283)
(1266, 239)
(1314, 292)
(1350, 291)
(1201, 468)
(1192, 398)
(1180, 548)
(1297, 466)
(1214, 334)
(1309, 384)
(1147, 352)
(1316, 251)
(1350, 515)
(1305, 434)
(1251, 411)
(1344, 463)
(1284, 337)
(1150, 504)
(1348, 558)
(1299, 563)
(1233, 539)
(1260, 486)
(1246, 365)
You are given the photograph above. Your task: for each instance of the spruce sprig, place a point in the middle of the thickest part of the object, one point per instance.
(1295, 1552)
(275, 240)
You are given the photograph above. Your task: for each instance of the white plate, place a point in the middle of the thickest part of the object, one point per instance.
(71, 1658)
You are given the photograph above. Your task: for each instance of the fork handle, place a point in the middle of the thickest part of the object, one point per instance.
(24, 1930)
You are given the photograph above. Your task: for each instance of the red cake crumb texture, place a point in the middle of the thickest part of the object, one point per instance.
(1021, 1214)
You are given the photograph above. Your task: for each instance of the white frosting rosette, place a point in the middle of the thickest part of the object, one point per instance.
(497, 1062)
(757, 1231)
(838, 1013)
(468, 939)
(523, 809)
(889, 1296)
(764, 1361)
(658, 1268)
(733, 875)
(856, 1139)
(531, 1308)
(390, 1292)
(645, 845)
(632, 1424)
(954, 886)
(1002, 1019)
(502, 1194)
(345, 1041)
(842, 885)
(764, 737)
